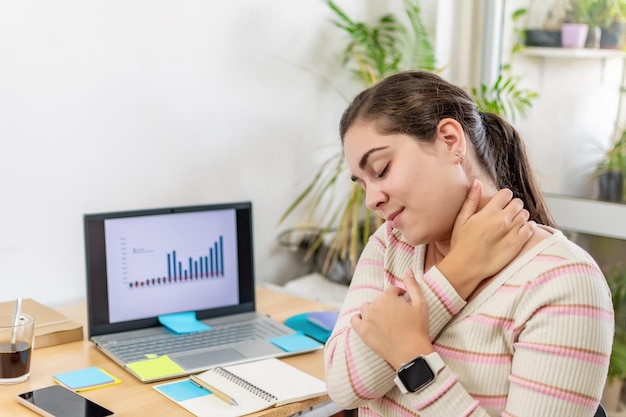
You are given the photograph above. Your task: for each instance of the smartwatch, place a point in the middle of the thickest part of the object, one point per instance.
(419, 373)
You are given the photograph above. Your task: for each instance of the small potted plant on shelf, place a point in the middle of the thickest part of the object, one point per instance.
(611, 170)
(575, 26)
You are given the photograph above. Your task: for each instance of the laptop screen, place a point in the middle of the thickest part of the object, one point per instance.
(146, 263)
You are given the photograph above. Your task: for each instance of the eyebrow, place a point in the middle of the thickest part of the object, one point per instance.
(365, 157)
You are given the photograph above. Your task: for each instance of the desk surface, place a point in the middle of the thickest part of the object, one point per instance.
(134, 398)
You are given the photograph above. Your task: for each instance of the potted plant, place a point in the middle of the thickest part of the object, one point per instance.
(617, 362)
(610, 171)
(575, 26)
(373, 52)
(336, 223)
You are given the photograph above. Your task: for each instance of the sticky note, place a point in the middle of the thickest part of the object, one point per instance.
(182, 390)
(324, 319)
(185, 322)
(82, 379)
(155, 368)
(301, 323)
(295, 342)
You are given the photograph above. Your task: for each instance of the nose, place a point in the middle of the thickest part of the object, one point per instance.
(374, 197)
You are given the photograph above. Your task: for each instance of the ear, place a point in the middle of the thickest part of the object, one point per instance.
(451, 138)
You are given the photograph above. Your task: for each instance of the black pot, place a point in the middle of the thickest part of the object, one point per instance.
(613, 36)
(611, 186)
(540, 37)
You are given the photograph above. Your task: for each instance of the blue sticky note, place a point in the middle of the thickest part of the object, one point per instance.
(301, 323)
(81, 378)
(295, 342)
(183, 390)
(324, 319)
(183, 322)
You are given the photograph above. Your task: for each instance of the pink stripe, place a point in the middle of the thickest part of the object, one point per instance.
(361, 287)
(473, 357)
(439, 292)
(359, 387)
(548, 258)
(577, 310)
(585, 356)
(369, 262)
(393, 280)
(470, 410)
(561, 271)
(555, 392)
(438, 393)
(508, 289)
(492, 321)
(491, 401)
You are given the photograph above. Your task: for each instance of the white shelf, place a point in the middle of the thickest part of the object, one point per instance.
(576, 53)
(594, 217)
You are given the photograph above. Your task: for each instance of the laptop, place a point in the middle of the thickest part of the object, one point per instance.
(147, 266)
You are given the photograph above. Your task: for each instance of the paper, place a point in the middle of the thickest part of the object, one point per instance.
(86, 378)
(183, 322)
(155, 368)
(295, 343)
(254, 385)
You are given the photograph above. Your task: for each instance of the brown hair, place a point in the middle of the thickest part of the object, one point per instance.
(414, 102)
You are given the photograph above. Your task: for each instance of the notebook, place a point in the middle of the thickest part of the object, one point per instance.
(170, 291)
(254, 386)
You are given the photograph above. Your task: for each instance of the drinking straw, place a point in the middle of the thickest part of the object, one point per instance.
(16, 318)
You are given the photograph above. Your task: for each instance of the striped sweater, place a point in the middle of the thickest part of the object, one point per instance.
(534, 342)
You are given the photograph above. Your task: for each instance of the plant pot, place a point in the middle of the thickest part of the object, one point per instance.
(611, 395)
(574, 35)
(594, 37)
(544, 38)
(613, 36)
(611, 186)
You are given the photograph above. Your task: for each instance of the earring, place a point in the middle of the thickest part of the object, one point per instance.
(458, 153)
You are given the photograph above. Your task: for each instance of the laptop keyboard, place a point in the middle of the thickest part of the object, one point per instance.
(137, 349)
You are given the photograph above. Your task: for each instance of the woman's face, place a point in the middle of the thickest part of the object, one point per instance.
(419, 187)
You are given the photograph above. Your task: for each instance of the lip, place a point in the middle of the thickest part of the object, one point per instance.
(394, 218)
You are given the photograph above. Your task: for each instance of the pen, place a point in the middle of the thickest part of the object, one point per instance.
(219, 394)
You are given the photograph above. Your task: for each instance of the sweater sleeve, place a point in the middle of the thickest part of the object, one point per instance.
(355, 375)
(563, 331)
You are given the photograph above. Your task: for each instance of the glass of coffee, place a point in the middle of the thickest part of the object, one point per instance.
(16, 345)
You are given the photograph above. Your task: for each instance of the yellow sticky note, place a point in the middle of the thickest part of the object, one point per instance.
(155, 368)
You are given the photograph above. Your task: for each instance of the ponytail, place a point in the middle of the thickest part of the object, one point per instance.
(511, 167)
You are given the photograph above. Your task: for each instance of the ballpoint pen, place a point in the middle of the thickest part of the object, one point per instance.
(219, 394)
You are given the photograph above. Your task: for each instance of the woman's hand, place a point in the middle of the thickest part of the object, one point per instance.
(486, 241)
(395, 325)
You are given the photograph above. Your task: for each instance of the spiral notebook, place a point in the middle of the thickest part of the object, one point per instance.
(255, 386)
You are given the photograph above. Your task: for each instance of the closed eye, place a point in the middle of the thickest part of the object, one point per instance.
(383, 172)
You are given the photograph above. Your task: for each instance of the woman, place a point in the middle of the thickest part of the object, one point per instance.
(413, 339)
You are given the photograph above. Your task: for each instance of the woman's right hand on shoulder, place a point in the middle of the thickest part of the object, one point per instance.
(483, 242)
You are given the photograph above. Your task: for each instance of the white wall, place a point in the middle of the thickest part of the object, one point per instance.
(114, 105)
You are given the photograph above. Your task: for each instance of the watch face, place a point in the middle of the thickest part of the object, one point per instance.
(416, 374)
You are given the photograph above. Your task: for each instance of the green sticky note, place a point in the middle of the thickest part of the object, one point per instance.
(155, 368)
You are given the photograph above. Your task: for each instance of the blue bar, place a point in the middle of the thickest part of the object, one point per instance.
(169, 266)
(211, 258)
(222, 254)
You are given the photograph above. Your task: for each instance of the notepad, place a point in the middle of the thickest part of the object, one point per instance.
(255, 386)
(85, 379)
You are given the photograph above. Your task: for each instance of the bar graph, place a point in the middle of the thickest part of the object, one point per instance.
(182, 268)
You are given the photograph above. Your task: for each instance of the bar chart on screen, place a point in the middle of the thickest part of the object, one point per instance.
(180, 269)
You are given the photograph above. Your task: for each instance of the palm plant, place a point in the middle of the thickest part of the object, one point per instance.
(373, 53)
